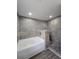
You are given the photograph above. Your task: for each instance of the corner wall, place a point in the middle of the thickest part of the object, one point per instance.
(54, 27)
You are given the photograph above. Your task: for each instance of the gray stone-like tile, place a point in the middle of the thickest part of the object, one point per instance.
(56, 47)
(47, 54)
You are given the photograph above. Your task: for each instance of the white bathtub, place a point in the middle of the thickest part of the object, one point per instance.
(27, 48)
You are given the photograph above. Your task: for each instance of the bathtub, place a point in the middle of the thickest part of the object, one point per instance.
(27, 48)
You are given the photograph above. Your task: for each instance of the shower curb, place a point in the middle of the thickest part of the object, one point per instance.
(54, 52)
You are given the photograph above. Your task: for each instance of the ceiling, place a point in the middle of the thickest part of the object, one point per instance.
(40, 9)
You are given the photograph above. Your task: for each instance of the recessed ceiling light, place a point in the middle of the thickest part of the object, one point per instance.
(30, 13)
(50, 16)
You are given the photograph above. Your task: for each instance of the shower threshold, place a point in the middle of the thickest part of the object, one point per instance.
(56, 49)
(53, 51)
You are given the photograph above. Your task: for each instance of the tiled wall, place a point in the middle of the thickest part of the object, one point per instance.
(29, 28)
(54, 26)
(18, 36)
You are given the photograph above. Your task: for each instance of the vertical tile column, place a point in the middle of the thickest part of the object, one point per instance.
(45, 36)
